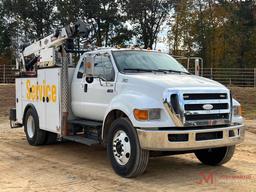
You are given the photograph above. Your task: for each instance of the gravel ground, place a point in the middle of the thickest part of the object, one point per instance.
(71, 167)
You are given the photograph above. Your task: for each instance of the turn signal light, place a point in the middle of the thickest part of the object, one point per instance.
(147, 114)
(140, 115)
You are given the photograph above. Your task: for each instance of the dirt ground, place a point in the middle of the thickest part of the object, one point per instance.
(69, 167)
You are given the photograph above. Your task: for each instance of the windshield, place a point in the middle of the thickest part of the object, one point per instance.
(146, 61)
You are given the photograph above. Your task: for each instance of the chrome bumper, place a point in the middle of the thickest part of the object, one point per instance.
(159, 140)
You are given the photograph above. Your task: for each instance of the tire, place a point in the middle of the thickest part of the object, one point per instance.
(126, 161)
(51, 138)
(215, 156)
(35, 136)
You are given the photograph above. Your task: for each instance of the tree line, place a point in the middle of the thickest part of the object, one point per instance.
(222, 32)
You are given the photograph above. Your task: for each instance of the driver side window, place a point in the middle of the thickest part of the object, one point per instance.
(104, 68)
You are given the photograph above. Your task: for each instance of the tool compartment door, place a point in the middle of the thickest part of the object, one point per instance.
(52, 99)
(49, 107)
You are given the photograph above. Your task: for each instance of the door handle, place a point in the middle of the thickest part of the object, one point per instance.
(110, 91)
(85, 88)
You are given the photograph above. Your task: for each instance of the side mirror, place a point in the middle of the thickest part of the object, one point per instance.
(89, 68)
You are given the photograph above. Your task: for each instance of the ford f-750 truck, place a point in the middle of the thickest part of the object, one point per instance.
(134, 102)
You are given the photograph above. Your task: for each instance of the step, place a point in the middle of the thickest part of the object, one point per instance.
(86, 122)
(81, 139)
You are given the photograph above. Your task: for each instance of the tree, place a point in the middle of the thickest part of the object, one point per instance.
(68, 11)
(246, 28)
(110, 21)
(109, 28)
(5, 39)
(181, 30)
(221, 32)
(147, 17)
(34, 18)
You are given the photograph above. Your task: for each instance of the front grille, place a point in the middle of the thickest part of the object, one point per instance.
(206, 109)
(204, 96)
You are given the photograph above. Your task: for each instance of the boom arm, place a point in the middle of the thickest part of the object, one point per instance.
(50, 41)
(57, 39)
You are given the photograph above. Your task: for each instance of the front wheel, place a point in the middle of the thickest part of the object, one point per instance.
(215, 156)
(126, 156)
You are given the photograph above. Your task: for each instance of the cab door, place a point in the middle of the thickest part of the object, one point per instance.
(92, 100)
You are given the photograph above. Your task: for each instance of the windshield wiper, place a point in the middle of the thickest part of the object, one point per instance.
(171, 71)
(138, 70)
(154, 70)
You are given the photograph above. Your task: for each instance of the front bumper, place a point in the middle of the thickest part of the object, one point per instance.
(161, 140)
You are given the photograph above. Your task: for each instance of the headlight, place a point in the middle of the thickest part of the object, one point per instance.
(146, 114)
(237, 110)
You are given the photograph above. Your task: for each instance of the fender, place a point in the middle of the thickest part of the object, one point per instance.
(30, 105)
(131, 100)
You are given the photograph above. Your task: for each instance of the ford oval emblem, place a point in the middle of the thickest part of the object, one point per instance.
(207, 107)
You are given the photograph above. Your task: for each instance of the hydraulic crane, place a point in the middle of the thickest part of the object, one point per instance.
(50, 51)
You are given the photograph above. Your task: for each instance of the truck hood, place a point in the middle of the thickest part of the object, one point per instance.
(173, 80)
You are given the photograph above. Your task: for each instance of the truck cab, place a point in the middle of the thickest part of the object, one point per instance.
(136, 102)
(168, 108)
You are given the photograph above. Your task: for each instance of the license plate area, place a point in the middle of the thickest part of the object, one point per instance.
(209, 136)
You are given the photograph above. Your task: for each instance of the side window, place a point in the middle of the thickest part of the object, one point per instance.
(104, 68)
(81, 70)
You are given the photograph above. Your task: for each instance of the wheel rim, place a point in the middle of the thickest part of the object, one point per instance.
(30, 126)
(121, 147)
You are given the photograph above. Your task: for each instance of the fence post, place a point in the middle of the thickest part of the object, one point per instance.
(211, 72)
(254, 77)
(4, 74)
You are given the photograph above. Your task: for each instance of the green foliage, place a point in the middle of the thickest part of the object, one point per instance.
(108, 18)
(5, 39)
(221, 32)
(33, 18)
(147, 17)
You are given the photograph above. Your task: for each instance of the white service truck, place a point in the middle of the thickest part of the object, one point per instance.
(135, 102)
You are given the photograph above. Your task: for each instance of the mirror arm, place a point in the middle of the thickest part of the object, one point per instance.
(101, 79)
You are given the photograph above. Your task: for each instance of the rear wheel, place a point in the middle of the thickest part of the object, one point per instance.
(215, 156)
(35, 136)
(127, 157)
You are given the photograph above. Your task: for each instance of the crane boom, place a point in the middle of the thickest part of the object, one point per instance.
(47, 42)
(42, 51)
